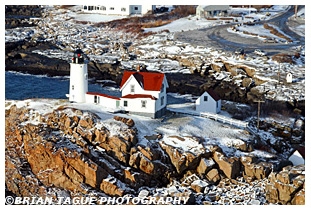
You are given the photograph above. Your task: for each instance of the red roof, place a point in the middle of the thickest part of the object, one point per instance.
(302, 150)
(139, 96)
(103, 95)
(149, 80)
(213, 94)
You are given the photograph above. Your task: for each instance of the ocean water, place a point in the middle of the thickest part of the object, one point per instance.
(19, 86)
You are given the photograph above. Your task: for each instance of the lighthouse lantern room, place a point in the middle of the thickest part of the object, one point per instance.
(78, 84)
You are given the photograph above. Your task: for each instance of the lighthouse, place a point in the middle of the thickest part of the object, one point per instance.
(78, 84)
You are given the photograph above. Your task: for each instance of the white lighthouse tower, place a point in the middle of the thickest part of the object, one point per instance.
(78, 84)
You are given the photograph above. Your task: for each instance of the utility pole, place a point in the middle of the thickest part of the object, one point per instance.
(279, 72)
(258, 112)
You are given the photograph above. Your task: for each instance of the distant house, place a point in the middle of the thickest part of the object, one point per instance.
(212, 10)
(298, 156)
(289, 77)
(209, 101)
(144, 93)
(118, 9)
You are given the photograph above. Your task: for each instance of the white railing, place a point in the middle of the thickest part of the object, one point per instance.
(216, 117)
(224, 119)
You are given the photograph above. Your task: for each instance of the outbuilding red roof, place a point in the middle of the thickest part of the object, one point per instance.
(302, 151)
(103, 95)
(139, 96)
(213, 94)
(148, 80)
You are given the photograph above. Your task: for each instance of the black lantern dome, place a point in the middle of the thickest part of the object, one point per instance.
(79, 57)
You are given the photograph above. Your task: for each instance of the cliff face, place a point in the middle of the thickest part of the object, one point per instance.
(67, 150)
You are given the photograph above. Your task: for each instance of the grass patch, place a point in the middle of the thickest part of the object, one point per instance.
(283, 58)
(276, 32)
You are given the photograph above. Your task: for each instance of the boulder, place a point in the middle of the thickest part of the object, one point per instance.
(229, 166)
(299, 198)
(213, 176)
(198, 185)
(127, 121)
(242, 145)
(111, 186)
(181, 159)
(262, 170)
(246, 82)
(252, 169)
(205, 165)
(218, 67)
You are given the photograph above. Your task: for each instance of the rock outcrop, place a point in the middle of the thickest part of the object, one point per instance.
(71, 151)
(67, 148)
(287, 186)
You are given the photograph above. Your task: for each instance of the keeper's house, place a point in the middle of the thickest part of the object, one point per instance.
(144, 93)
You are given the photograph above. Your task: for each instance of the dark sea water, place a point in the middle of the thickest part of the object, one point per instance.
(20, 86)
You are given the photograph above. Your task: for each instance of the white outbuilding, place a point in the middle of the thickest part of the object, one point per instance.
(298, 156)
(209, 101)
(289, 77)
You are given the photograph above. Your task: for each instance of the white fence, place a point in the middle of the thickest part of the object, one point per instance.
(224, 119)
(216, 117)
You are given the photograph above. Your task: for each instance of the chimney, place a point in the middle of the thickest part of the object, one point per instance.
(138, 68)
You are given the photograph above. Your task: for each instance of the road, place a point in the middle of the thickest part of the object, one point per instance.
(218, 37)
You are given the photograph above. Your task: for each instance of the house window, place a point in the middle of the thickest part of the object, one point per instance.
(123, 9)
(125, 103)
(135, 8)
(72, 87)
(111, 8)
(132, 88)
(97, 8)
(103, 8)
(143, 104)
(85, 7)
(96, 99)
(205, 98)
(90, 7)
(162, 100)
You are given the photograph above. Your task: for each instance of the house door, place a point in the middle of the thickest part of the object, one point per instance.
(117, 104)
